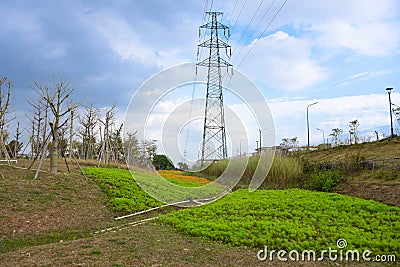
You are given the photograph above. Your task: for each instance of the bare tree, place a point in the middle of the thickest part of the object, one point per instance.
(4, 104)
(108, 122)
(353, 125)
(88, 132)
(336, 133)
(18, 145)
(56, 97)
(71, 133)
(116, 144)
(39, 122)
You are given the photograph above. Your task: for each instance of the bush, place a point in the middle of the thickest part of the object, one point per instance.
(162, 162)
(324, 181)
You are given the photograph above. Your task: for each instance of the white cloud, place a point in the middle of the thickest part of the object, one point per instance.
(122, 38)
(284, 62)
(362, 76)
(367, 38)
(135, 44)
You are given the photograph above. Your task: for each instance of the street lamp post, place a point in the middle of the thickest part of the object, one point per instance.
(323, 135)
(240, 147)
(308, 125)
(389, 90)
(257, 146)
(260, 137)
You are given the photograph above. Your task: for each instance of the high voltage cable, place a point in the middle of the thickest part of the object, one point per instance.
(226, 5)
(251, 20)
(261, 20)
(212, 2)
(233, 10)
(205, 11)
(190, 116)
(240, 13)
(266, 28)
(195, 78)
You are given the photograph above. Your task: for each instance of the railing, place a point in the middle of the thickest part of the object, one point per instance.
(392, 164)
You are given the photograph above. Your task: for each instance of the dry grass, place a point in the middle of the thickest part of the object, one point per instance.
(50, 203)
(146, 245)
(385, 148)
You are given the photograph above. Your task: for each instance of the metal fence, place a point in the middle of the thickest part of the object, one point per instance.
(391, 164)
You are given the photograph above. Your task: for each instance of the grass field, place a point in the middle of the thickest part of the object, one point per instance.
(293, 220)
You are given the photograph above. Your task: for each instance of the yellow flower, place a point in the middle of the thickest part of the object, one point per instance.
(180, 176)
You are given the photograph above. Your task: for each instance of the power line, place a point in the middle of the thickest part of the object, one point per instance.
(233, 10)
(226, 5)
(261, 20)
(266, 28)
(240, 13)
(212, 2)
(205, 11)
(251, 20)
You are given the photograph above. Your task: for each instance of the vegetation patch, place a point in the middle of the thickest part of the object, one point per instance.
(122, 189)
(125, 194)
(324, 181)
(285, 172)
(293, 219)
(180, 178)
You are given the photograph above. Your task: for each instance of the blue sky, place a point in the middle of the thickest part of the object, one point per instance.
(342, 54)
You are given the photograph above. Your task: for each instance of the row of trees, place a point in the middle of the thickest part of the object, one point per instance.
(61, 127)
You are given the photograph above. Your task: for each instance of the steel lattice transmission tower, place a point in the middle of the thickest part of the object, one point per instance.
(214, 138)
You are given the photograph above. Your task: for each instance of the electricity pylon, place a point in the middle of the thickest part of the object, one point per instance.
(214, 138)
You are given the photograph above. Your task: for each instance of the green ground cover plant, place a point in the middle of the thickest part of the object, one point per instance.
(125, 194)
(293, 219)
(120, 186)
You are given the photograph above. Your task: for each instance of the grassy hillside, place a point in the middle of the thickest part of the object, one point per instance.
(385, 148)
(48, 209)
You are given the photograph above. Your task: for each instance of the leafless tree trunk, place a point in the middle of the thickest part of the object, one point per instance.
(39, 125)
(108, 122)
(71, 134)
(17, 144)
(56, 97)
(4, 104)
(89, 122)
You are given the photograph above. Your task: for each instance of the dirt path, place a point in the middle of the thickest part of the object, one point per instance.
(388, 194)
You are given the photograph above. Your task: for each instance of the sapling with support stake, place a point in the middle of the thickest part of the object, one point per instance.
(56, 97)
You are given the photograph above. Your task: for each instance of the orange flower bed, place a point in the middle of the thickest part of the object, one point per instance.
(179, 176)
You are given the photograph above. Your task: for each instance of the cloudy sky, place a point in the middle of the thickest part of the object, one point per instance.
(342, 54)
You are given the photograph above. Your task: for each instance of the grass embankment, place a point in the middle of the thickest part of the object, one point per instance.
(293, 219)
(385, 148)
(355, 161)
(48, 209)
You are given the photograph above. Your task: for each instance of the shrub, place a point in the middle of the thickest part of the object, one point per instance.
(324, 180)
